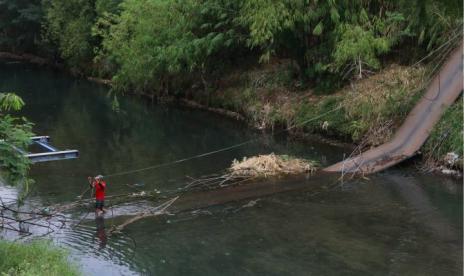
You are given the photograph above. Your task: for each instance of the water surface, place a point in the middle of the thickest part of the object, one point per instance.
(398, 222)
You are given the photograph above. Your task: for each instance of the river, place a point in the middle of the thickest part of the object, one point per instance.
(398, 222)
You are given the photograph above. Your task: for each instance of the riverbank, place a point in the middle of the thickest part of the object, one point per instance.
(268, 97)
(37, 258)
(371, 109)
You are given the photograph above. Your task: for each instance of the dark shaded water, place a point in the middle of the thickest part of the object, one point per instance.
(398, 222)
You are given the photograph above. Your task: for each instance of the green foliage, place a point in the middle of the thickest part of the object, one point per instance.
(374, 104)
(10, 101)
(335, 123)
(363, 38)
(68, 28)
(169, 46)
(327, 37)
(68, 25)
(106, 7)
(153, 41)
(15, 134)
(294, 27)
(267, 19)
(37, 258)
(358, 48)
(20, 24)
(447, 135)
(432, 22)
(367, 109)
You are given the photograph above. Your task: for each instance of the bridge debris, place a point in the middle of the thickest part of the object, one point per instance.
(270, 165)
(442, 91)
(51, 153)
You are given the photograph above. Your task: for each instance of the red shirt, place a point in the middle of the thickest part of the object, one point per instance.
(100, 190)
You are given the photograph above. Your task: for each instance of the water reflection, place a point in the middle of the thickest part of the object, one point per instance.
(398, 222)
(101, 232)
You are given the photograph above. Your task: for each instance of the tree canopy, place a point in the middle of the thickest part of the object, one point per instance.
(169, 45)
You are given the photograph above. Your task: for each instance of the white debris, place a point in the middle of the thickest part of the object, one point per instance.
(451, 158)
(325, 125)
(451, 172)
(250, 203)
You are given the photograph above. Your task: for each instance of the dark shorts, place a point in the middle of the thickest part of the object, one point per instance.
(99, 204)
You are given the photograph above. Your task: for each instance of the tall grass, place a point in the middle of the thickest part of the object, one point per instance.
(36, 258)
(447, 135)
(371, 109)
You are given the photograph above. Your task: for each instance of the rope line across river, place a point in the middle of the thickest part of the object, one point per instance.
(219, 150)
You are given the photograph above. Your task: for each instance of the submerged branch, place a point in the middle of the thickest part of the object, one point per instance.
(249, 169)
(158, 211)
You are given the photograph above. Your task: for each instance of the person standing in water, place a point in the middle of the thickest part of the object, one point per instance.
(99, 185)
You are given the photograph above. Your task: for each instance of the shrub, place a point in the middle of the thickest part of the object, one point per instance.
(37, 258)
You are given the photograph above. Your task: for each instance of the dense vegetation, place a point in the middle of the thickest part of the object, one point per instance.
(15, 135)
(37, 258)
(153, 44)
(188, 47)
(20, 22)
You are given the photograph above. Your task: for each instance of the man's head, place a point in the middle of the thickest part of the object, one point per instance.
(99, 177)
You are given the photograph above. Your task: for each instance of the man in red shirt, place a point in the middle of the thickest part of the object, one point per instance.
(99, 185)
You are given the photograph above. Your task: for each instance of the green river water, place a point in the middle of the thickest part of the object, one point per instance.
(398, 222)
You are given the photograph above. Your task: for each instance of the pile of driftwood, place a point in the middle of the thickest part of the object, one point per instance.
(252, 168)
(270, 165)
(261, 166)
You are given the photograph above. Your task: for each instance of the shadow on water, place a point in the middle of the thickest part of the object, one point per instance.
(397, 222)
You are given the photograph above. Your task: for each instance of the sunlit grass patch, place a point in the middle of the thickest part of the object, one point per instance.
(370, 109)
(366, 111)
(380, 100)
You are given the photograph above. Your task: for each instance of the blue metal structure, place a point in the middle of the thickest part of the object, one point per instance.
(51, 153)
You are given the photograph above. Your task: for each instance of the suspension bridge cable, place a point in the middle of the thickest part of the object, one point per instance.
(219, 150)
